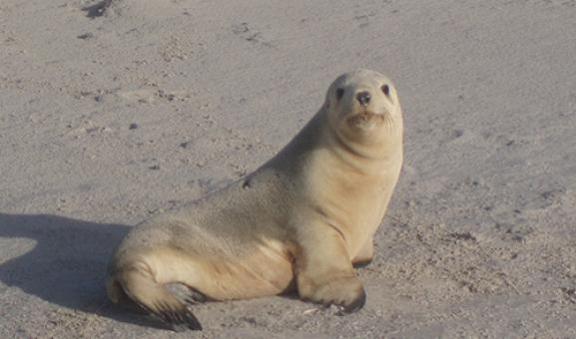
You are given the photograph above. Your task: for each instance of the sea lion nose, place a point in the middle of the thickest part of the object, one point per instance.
(363, 98)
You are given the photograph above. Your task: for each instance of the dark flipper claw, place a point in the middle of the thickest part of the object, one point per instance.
(186, 294)
(180, 320)
(356, 305)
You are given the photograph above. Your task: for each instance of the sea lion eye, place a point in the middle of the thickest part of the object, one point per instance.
(339, 93)
(386, 90)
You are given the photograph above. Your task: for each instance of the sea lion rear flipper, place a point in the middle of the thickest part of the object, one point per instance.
(180, 319)
(158, 300)
(186, 294)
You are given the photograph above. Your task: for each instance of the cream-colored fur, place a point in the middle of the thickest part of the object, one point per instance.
(300, 221)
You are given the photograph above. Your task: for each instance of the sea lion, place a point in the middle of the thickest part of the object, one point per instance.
(301, 220)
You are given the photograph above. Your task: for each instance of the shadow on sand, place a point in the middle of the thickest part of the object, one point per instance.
(67, 266)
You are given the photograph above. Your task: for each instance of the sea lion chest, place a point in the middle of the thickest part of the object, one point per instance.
(351, 196)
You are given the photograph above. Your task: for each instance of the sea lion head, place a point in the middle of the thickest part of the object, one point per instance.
(363, 107)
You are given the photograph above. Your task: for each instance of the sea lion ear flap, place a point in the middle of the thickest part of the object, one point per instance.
(386, 90)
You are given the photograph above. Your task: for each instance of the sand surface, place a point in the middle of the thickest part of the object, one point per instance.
(108, 117)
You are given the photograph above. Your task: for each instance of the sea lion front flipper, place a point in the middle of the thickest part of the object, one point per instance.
(366, 254)
(324, 271)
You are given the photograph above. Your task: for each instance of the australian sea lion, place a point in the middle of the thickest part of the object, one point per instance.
(300, 221)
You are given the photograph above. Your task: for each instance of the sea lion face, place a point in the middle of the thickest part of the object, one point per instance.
(363, 106)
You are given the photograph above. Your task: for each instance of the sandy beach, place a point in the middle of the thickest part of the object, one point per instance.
(113, 111)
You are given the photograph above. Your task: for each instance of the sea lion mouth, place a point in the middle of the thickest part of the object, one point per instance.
(365, 118)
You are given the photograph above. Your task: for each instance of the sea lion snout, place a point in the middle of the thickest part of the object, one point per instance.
(363, 98)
